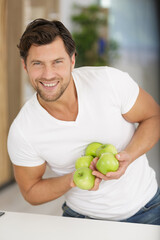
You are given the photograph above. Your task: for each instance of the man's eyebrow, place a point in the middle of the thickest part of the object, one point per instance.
(37, 60)
(60, 58)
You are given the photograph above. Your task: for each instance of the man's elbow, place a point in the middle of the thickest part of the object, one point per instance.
(31, 200)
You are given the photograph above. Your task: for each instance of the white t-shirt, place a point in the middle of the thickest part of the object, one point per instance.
(104, 94)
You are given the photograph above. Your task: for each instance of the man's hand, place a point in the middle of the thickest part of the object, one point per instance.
(124, 161)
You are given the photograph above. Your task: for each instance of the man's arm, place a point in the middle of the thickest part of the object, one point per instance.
(146, 112)
(37, 190)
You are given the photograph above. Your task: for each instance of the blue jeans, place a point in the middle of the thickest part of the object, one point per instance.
(149, 214)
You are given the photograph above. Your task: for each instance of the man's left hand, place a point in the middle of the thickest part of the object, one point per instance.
(124, 160)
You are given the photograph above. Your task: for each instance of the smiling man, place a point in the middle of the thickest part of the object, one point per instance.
(72, 108)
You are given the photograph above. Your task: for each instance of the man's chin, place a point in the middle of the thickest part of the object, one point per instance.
(46, 98)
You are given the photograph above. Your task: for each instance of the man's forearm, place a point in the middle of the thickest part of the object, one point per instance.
(49, 189)
(145, 137)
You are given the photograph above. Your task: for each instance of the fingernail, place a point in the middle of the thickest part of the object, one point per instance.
(118, 156)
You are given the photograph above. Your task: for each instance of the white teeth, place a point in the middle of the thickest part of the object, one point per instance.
(49, 84)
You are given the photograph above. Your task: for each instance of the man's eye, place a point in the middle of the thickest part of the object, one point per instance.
(58, 61)
(36, 63)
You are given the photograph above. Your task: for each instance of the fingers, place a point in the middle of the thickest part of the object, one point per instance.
(109, 175)
(96, 184)
(123, 164)
(115, 175)
(124, 156)
(93, 163)
(99, 175)
(72, 184)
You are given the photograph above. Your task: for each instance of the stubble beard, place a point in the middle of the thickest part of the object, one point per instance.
(49, 97)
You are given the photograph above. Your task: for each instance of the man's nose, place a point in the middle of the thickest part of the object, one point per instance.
(49, 72)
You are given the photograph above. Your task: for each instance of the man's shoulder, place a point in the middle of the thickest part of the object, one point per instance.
(96, 68)
(25, 112)
(97, 74)
(100, 70)
(86, 69)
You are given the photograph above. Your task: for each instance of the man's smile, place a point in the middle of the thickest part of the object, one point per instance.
(49, 84)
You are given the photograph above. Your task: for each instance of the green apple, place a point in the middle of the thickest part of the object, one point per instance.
(107, 163)
(83, 178)
(91, 149)
(106, 148)
(83, 161)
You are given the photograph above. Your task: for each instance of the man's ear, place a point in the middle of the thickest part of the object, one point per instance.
(73, 60)
(24, 65)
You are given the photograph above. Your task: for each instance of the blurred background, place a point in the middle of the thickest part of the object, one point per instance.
(118, 33)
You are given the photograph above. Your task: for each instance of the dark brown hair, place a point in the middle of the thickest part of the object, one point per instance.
(41, 32)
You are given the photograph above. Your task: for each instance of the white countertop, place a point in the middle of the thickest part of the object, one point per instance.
(26, 226)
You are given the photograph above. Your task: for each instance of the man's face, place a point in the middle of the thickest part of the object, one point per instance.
(49, 68)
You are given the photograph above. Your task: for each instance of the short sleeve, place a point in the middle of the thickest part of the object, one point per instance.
(125, 88)
(20, 151)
